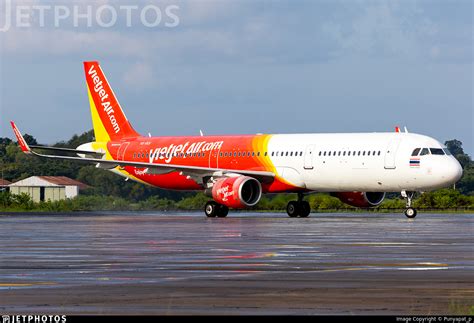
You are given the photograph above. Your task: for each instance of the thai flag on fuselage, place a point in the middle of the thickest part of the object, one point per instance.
(414, 162)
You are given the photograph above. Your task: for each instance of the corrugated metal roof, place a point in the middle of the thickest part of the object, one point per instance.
(4, 182)
(63, 181)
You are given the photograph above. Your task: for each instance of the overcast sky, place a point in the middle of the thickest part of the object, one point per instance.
(232, 67)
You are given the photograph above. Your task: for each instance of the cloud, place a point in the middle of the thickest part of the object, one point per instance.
(139, 76)
(382, 29)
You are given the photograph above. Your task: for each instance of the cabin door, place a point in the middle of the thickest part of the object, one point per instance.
(309, 157)
(390, 154)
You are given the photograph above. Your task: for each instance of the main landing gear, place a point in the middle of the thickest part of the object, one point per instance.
(298, 208)
(213, 209)
(410, 211)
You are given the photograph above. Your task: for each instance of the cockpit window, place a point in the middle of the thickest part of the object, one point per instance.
(424, 151)
(447, 152)
(437, 151)
(415, 152)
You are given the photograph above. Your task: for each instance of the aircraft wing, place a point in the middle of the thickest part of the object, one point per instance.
(68, 150)
(193, 172)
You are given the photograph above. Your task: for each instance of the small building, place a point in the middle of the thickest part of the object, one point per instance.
(4, 185)
(48, 188)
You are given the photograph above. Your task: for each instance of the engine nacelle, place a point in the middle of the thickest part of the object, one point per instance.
(237, 192)
(361, 199)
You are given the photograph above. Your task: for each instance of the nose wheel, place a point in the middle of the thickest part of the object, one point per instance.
(410, 211)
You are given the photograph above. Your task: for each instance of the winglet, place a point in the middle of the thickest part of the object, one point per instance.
(21, 141)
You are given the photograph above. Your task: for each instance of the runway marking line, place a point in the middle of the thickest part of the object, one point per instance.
(25, 284)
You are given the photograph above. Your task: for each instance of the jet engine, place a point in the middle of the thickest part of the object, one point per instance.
(237, 192)
(361, 199)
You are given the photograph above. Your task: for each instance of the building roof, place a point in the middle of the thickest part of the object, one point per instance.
(4, 182)
(52, 180)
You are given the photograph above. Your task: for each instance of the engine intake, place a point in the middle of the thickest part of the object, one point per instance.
(361, 199)
(237, 192)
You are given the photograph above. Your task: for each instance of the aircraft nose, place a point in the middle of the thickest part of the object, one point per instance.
(454, 171)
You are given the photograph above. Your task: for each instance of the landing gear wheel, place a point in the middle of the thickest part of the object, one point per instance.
(305, 209)
(211, 209)
(222, 211)
(293, 209)
(410, 213)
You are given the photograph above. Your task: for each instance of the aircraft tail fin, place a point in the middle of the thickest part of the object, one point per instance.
(108, 119)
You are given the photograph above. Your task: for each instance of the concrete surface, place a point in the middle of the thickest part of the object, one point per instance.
(248, 263)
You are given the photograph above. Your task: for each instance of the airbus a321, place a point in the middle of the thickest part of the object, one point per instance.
(358, 168)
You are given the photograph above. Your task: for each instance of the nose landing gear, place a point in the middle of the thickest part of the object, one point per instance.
(410, 211)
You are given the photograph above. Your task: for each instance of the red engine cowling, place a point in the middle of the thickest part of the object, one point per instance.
(237, 192)
(361, 199)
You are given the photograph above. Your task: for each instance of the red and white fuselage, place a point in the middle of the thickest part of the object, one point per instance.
(236, 170)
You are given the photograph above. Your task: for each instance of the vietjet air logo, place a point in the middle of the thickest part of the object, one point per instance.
(185, 150)
(104, 98)
(224, 193)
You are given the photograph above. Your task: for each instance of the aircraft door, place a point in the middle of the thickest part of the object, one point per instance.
(122, 150)
(390, 154)
(309, 157)
(214, 158)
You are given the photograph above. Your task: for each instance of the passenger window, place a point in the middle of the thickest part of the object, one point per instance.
(329, 153)
(416, 152)
(348, 153)
(339, 153)
(425, 151)
(320, 153)
(379, 153)
(437, 151)
(324, 154)
(301, 153)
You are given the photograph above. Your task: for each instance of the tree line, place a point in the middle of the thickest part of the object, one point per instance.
(111, 192)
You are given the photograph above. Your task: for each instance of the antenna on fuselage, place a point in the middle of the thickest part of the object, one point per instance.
(406, 130)
(200, 131)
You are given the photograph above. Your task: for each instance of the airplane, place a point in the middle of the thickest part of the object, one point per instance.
(235, 170)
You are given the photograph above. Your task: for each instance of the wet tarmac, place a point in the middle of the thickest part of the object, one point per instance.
(248, 263)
